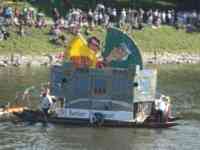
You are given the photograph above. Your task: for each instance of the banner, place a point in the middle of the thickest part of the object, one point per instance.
(120, 50)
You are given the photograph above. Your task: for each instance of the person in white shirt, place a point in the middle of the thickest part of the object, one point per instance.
(46, 102)
(168, 108)
(163, 17)
(122, 17)
(114, 15)
(160, 106)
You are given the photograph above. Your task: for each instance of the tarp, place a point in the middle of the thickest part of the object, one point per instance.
(116, 38)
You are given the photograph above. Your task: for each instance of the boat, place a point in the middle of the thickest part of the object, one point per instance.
(35, 116)
(121, 94)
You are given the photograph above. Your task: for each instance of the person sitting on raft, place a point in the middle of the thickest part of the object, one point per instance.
(162, 108)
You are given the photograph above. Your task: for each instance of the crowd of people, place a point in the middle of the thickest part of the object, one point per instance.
(134, 18)
(126, 19)
(28, 16)
(104, 16)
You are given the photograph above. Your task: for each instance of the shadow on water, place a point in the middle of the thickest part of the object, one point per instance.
(61, 138)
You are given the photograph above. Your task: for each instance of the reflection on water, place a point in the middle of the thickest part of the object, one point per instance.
(13, 80)
(180, 82)
(37, 137)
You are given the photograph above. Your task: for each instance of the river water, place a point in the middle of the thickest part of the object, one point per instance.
(181, 82)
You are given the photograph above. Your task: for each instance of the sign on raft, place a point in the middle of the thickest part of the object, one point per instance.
(85, 114)
(146, 89)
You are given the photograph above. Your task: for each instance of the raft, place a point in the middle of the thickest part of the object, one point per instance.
(35, 116)
(117, 92)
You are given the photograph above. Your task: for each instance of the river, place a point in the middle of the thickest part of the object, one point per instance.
(181, 82)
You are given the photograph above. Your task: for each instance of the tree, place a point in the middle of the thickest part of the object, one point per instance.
(189, 4)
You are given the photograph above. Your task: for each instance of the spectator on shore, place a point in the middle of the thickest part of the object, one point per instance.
(16, 17)
(150, 18)
(113, 16)
(127, 19)
(163, 17)
(122, 18)
(1, 11)
(1, 36)
(4, 34)
(56, 14)
(40, 21)
(90, 17)
(21, 30)
(8, 14)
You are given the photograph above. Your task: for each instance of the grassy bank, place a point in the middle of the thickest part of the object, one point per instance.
(164, 39)
(167, 39)
(36, 41)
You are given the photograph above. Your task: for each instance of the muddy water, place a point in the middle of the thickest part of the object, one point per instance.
(181, 82)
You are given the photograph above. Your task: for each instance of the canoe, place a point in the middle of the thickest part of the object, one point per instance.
(37, 116)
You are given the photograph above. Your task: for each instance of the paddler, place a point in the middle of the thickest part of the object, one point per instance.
(162, 108)
(46, 102)
(168, 108)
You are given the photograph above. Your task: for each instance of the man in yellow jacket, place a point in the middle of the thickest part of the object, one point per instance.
(83, 53)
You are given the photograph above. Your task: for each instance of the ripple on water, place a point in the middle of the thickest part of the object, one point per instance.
(38, 137)
(21, 136)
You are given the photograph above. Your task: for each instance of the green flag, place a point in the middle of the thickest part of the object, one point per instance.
(120, 50)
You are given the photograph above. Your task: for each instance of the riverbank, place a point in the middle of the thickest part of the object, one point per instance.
(164, 45)
(171, 58)
(54, 58)
(164, 39)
